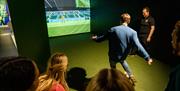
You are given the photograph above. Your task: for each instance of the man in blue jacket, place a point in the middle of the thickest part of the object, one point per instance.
(122, 39)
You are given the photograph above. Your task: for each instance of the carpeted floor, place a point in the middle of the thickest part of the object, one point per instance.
(7, 46)
(87, 57)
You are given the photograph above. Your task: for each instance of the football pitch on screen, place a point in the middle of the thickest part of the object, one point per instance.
(68, 27)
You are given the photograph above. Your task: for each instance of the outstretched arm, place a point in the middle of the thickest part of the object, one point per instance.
(99, 38)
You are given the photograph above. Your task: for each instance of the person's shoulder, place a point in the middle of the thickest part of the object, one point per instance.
(57, 87)
(131, 29)
(151, 17)
(115, 28)
(133, 32)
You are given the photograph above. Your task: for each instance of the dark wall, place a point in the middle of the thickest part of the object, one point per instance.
(30, 30)
(105, 14)
(166, 14)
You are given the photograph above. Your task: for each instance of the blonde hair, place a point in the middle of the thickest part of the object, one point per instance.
(56, 70)
(125, 17)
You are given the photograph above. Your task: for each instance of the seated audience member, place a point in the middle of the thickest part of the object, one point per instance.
(54, 78)
(174, 78)
(110, 80)
(18, 74)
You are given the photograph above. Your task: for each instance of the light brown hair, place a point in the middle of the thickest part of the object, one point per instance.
(110, 80)
(57, 66)
(176, 38)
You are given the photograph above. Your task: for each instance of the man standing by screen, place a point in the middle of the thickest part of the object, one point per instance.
(122, 39)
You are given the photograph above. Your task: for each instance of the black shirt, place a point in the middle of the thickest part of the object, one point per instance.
(146, 24)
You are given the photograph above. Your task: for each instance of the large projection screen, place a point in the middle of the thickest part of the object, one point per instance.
(66, 17)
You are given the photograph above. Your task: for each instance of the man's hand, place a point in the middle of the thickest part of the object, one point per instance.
(149, 61)
(148, 39)
(94, 37)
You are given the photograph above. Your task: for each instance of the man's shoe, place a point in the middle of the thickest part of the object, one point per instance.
(150, 61)
(126, 74)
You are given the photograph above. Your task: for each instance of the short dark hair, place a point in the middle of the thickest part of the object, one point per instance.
(147, 8)
(16, 73)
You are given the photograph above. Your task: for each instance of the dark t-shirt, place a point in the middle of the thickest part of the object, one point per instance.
(145, 25)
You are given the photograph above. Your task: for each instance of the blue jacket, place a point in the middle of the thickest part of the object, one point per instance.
(121, 40)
